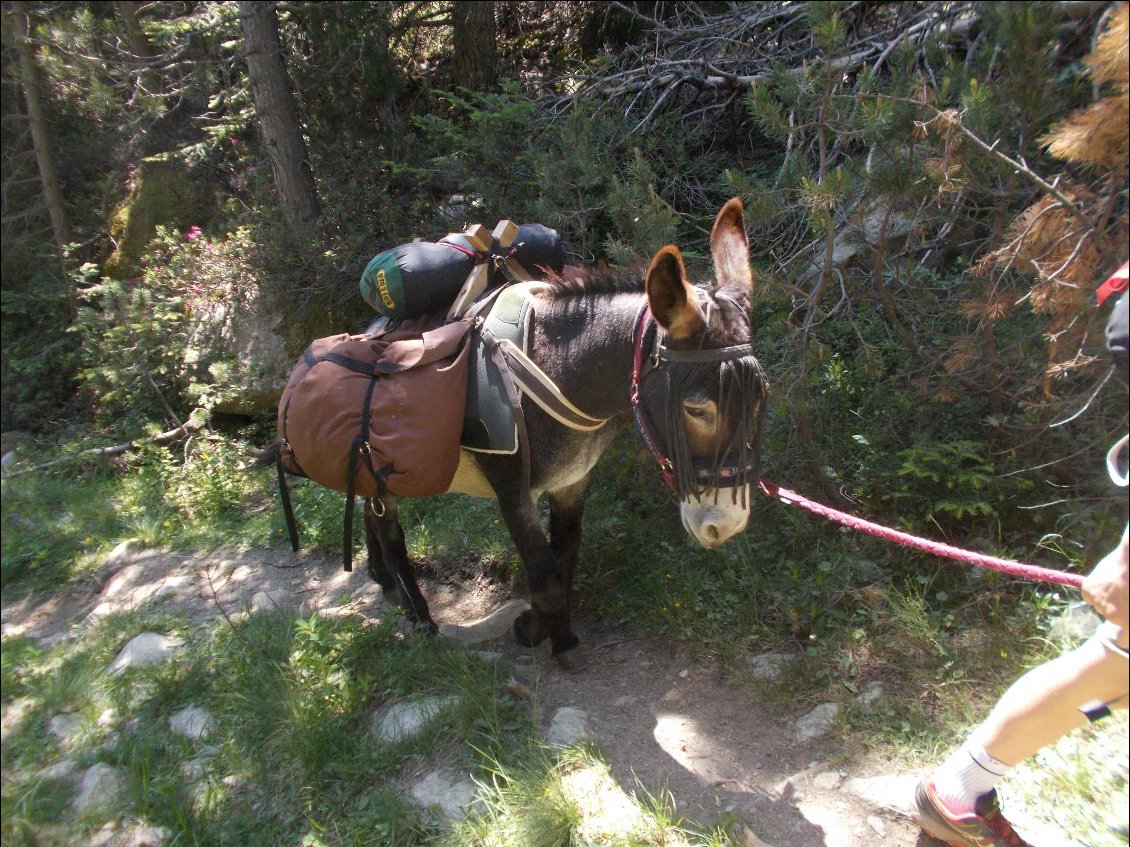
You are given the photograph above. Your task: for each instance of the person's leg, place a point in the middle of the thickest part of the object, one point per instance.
(1043, 705)
(1037, 710)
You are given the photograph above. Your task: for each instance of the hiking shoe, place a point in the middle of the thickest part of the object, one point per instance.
(986, 827)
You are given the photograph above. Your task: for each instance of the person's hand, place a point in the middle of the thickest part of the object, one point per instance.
(1107, 587)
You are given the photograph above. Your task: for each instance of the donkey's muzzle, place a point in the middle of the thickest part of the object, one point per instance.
(716, 515)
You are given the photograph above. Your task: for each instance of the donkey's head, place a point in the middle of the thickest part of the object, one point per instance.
(702, 393)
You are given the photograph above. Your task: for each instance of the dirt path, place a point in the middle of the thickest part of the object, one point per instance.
(664, 720)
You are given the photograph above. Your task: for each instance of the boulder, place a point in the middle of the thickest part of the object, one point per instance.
(162, 192)
(235, 349)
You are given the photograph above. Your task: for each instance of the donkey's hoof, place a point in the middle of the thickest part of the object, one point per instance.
(530, 629)
(572, 660)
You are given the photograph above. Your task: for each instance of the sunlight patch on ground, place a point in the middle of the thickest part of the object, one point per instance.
(680, 737)
(608, 814)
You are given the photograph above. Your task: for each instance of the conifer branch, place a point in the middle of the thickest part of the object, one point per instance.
(950, 120)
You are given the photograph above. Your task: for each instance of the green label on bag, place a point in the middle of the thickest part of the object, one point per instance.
(382, 285)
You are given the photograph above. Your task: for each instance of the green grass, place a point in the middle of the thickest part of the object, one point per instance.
(290, 758)
(289, 754)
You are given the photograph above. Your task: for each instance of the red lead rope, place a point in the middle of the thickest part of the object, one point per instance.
(1115, 283)
(1033, 572)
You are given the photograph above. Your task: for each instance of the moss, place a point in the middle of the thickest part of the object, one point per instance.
(162, 192)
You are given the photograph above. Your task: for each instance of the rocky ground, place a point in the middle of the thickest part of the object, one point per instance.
(662, 718)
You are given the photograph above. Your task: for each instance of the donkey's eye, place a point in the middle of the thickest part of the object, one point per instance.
(702, 412)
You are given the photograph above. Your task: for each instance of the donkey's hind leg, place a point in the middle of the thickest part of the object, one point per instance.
(389, 565)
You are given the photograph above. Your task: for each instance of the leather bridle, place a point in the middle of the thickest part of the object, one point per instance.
(726, 476)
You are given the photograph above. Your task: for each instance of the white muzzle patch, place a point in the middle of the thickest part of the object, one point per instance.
(713, 523)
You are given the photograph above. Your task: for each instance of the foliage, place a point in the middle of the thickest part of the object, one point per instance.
(151, 342)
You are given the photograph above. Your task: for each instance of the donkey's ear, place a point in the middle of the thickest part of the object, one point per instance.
(730, 248)
(672, 297)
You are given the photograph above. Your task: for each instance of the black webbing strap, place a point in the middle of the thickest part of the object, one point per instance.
(284, 490)
(373, 369)
(360, 448)
(284, 495)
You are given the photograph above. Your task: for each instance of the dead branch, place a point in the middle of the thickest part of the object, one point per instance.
(717, 55)
(194, 424)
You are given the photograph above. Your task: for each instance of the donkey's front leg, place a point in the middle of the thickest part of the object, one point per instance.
(389, 565)
(549, 591)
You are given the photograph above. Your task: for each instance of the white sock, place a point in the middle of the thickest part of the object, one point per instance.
(968, 773)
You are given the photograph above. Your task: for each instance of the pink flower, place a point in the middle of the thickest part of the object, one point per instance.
(193, 233)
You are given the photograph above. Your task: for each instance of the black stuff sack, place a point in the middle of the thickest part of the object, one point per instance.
(422, 277)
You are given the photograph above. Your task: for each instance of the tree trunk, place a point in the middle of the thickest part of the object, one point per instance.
(139, 44)
(475, 54)
(41, 133)
(277, 115)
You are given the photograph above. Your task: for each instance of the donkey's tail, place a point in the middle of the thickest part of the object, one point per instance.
(265, 458)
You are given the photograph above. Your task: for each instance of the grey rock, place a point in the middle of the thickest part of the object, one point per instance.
(194, 769)
(817, 723)
(268, 601)
(567, 726)
(493, 626)
(870, 694)
(748, 838)
(239, 329)
(105, 836)
(62, 769)
(192, 722)
(101, 786)
(877, 826)
(13, 715)
(64, 726)
(767, 667)
(1075, 624)
(827, 780)
(149, 648)
(122, 552)
(890, 792)
(149, 836)
(453, 796)
(398, 721)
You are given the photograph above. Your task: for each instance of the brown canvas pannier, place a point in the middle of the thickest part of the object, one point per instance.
(368, 414)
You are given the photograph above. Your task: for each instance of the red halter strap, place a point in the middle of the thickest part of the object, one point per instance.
(666, 468)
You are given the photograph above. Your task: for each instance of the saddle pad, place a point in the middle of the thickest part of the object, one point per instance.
(488, 419)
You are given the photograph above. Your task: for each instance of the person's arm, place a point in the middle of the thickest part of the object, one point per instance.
(1107, 587)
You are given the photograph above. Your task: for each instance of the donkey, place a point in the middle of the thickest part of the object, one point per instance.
(674, 356)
